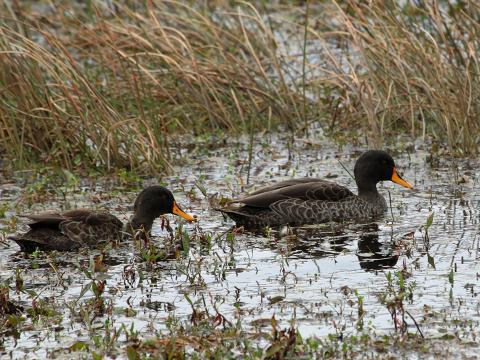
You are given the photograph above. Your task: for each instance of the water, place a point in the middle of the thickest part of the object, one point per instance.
(310, 276)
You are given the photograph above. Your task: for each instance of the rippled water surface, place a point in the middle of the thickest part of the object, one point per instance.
(313, 276)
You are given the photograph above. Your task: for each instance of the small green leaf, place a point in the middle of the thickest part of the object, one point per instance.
(431, 261)
(188, 299)
(429, 221)
(201, 187)
(70, 177)
(84, 290)
(79, 346)
(14, 320)
(450, 277)
(275, 299)
(185, 243)
(132, 353)
(96, 356)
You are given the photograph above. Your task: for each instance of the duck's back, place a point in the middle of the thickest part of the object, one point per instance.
(303, 189)
(69, 230)
(298, 201)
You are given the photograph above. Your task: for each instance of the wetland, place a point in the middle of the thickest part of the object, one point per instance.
(214, 99)
(405, 284)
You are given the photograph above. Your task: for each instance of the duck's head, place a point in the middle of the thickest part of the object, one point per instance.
(153, 202)
(374, 166)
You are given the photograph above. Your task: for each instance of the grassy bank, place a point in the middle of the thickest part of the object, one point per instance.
(100, 86)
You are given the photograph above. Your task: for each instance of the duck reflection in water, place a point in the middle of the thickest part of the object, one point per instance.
(373, 254)
(319, 242)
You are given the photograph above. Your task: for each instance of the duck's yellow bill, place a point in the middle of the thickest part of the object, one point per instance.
(397, 179)
(177, 211)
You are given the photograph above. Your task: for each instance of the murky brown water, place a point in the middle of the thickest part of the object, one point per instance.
(308, 275)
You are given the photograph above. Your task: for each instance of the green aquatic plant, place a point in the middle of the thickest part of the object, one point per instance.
(394, 296)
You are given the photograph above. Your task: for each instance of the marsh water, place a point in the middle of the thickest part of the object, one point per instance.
(311, 277)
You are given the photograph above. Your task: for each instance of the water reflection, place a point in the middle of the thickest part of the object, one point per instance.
(320, 242)
(310, 242)
(373, 254)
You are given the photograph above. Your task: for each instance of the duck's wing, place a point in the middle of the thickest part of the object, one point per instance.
(45, 239)
(287, 183)
(89, 217)
(44, 220)
(45, 234)
(92, 218)
(52, 219)
(81, 226)
(303, 189)
(90, 227)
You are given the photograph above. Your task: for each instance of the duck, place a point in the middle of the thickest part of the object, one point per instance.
(312, 200)
(74, 229)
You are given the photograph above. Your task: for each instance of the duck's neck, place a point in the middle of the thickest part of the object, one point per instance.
(371, 195)
(141, 221)
(367, 190)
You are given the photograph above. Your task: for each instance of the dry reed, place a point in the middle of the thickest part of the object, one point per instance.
(110, 86)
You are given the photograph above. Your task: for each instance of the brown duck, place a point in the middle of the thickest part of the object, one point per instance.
(74, 229)
(312, 200)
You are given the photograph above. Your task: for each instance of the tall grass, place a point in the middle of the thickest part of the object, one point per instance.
(111, 86)
(407, 68)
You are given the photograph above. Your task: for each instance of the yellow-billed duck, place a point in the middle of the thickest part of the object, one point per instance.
(313, 201)
(74, 229)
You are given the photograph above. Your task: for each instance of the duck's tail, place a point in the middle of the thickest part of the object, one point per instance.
(25, 244)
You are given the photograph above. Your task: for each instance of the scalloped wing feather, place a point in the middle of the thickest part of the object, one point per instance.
(94, 229)
(307, 190)
(69, 230)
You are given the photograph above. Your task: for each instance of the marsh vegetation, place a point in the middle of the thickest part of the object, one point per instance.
(406, 284)
(113, 84)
